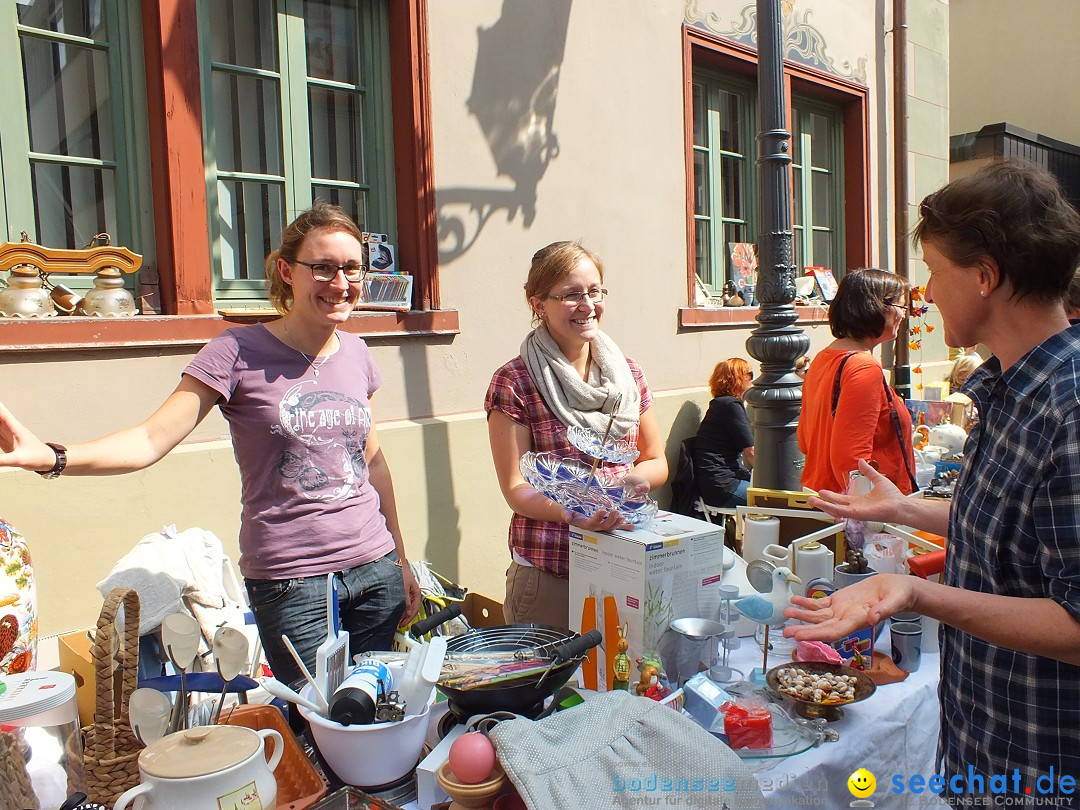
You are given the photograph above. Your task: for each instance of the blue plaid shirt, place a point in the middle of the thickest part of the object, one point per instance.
(1015, 531)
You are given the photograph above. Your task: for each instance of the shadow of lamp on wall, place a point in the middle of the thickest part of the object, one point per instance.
(513, 96)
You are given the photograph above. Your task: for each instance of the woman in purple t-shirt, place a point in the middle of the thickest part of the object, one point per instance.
(316, 490)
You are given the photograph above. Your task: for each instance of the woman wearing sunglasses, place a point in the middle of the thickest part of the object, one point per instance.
(316, 491)
(849, 412)
(568, 373)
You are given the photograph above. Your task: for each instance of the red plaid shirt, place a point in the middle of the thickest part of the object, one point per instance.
(512, 392)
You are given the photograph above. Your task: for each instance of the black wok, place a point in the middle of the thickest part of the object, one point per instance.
(524, 696)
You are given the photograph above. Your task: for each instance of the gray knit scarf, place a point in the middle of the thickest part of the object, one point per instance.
(579, 402)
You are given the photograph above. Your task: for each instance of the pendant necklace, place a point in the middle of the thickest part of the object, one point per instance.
(311, 360)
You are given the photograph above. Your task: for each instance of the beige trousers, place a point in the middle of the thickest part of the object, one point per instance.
(533, 595)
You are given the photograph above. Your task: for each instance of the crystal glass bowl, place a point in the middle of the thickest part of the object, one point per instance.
(564, 480)
(614, 451)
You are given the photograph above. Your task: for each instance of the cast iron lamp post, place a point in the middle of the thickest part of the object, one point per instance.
(777, 393)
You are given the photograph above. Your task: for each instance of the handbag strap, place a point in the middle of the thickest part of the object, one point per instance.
(111, 710)
(894, 415)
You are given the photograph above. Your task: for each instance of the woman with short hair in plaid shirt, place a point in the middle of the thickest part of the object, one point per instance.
(568, 373)
(1001, 246)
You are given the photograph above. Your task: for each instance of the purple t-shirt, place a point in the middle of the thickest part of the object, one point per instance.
(308, 507)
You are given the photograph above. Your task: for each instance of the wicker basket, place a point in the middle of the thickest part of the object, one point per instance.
(110, 748)
(299, 785)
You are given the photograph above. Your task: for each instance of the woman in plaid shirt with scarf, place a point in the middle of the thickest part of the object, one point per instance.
(568, 373)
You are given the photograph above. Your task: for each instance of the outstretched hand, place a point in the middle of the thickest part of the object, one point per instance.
(860, 605)
(882, 503)
(21, 448)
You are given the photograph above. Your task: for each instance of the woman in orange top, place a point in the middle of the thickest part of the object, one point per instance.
(849, 412)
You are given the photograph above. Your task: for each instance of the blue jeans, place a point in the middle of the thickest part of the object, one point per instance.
(371, 599)
(736, 498)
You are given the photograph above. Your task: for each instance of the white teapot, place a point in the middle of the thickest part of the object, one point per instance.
(949, 436)
(208, 766)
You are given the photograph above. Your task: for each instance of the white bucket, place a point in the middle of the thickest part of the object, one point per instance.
(368, 755)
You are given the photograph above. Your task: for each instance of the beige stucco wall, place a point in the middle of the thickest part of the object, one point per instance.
(1016, 62)
(928, 66)
(611, 173)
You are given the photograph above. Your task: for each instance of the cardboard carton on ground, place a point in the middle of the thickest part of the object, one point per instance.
(670, 569)
(73, 650)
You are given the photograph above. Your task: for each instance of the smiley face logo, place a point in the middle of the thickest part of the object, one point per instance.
(861, 783)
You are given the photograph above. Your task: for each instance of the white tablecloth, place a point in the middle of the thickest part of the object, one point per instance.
(894, 731)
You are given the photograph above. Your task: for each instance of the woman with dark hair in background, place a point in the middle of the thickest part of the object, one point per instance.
(849, 412)
(568, 372)
(725, 436)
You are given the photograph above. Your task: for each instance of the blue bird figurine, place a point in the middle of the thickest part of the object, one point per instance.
(768, 608)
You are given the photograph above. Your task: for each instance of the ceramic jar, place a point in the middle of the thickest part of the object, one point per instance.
(24, 296)
(208, 766)
(18, 604)
(108, 299)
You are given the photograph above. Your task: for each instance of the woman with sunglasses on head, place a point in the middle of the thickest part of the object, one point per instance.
(568, 373)
(316, 491)
(849, 412)
(1001, 246)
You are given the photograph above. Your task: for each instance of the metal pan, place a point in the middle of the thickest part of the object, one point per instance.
(526, 695)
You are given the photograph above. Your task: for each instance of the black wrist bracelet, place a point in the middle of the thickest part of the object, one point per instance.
(59, 465)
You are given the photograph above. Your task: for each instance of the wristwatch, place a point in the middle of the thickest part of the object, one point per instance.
(61, 461)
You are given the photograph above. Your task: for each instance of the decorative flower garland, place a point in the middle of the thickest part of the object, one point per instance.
(915, 331)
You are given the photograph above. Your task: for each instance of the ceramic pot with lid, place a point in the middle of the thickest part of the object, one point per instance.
(208, 767)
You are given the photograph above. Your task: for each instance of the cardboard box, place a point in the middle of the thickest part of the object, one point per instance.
(74, 654)
(670, 569)
(482, 611)
(428, 790)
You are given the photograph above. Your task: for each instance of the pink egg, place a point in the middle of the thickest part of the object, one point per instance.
(472, 757)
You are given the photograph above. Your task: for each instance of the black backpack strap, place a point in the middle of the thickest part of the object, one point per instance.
(836, 381)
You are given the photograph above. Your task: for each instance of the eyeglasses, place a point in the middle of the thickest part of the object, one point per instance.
(322, 271)
(596, 295)
(902, 307)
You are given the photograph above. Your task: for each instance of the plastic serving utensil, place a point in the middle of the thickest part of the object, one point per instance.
(149, 711)
(180, 635)
(316, 691)
(278, 689)
(332, 657)
(230, 657)
(423, 668)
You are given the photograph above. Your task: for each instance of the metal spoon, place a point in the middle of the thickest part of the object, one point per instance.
(230, 656)
(180, 635)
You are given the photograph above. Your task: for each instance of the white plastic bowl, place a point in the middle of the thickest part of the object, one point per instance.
(367, 756)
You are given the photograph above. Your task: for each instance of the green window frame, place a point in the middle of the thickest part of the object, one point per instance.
(818, 151)
(725, 188)
(69, 159)
(296, 105)
(725, 180)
